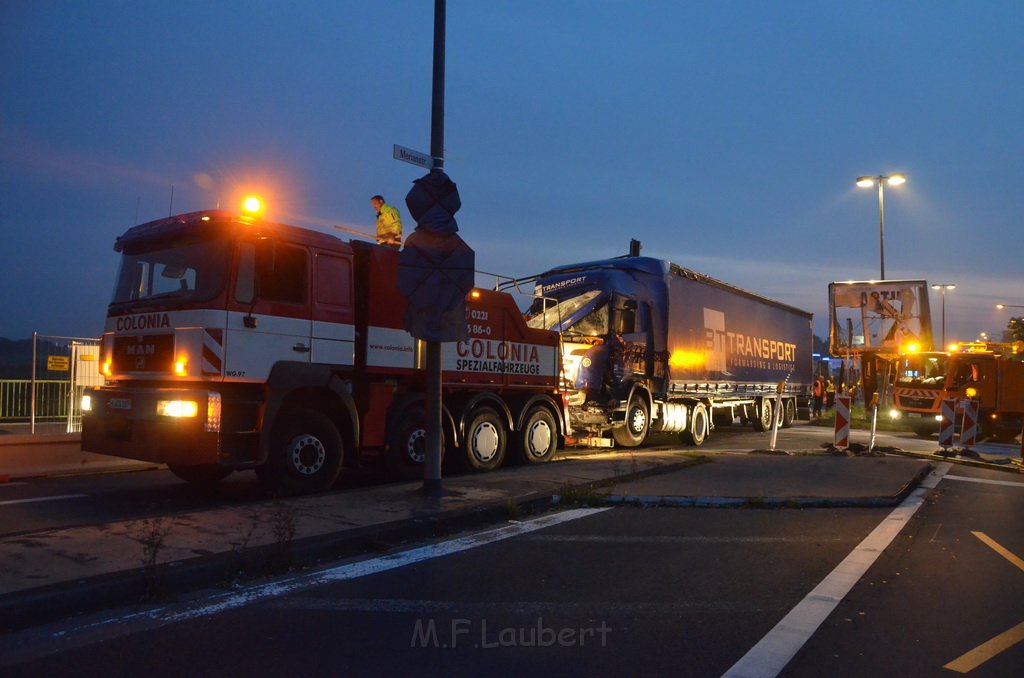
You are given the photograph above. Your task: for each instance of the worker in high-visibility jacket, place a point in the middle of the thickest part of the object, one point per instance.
(389, 223)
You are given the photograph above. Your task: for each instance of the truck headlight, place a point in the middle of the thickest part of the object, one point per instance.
(177, 408)
(894, 413)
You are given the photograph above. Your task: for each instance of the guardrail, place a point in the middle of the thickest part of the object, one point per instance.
(53, 402)
(45, 404)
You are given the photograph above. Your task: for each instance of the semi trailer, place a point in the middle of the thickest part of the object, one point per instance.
(651, 346)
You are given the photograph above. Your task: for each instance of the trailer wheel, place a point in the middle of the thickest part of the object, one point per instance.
(485, 441)
(765, 412)
(697, 432)
(724, 416)
(638, 421)
(200, 474)
(538, 438)
(305, 454)
(788, 412)
(407, 445)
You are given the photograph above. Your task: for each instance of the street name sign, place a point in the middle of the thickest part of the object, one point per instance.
(413, 157)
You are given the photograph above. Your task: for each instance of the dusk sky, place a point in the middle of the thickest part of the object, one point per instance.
(726, 136)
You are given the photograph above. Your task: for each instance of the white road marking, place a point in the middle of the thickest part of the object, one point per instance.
(771, 654)
(33, 500)
(381, 564)
(965, 479)
(32, 644)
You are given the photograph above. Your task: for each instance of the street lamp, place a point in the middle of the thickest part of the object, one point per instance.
(943, 287)
(1002, 306)
(868, 182)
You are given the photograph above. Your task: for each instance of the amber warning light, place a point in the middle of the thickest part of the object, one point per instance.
(252, 205)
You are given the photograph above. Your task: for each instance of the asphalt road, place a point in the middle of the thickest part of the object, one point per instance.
(949, 592)
(50, 503)
(622, 591)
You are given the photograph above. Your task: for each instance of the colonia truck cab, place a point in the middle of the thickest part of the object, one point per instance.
(233, 343)
(651, 346)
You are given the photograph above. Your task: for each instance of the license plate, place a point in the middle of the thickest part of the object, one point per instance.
(120, 403)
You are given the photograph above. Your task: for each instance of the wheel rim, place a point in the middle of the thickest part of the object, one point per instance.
(699, 424)
(307, 454)
(485, 441)
(766, 414)
(416, 446)
(538, 438)
(637, 420)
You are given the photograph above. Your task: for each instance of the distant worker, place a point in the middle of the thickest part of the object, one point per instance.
(818, 395)
(389, 223)
(830, 394)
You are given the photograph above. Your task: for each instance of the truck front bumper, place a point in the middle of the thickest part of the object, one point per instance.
(166, 426)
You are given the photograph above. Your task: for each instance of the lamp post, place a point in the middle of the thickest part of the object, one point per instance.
(943, 287)
(1002, 306)
(867, 182)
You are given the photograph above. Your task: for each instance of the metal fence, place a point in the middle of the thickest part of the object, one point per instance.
(50, 400)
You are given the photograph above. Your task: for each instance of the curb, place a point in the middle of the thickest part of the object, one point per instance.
(1012, 466)
(773, 502)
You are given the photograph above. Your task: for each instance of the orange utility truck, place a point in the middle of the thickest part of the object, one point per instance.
(990, 372)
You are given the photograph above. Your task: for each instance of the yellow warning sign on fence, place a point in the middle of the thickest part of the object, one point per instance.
(58, 363)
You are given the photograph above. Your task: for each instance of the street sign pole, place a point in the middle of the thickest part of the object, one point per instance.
(432, 462)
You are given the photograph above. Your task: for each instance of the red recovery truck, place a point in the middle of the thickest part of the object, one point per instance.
(233, 343)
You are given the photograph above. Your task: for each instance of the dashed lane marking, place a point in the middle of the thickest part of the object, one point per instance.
(1004, 641)
(971, 660)
(1000, 549)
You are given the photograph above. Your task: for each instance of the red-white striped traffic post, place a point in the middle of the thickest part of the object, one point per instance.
(841, 437)
(969, 427)
(946, 425)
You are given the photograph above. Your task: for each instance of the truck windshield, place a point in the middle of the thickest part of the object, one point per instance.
(584, 314)
(194, 270)
(922, 371)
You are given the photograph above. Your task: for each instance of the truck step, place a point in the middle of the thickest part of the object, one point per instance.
(591, 441)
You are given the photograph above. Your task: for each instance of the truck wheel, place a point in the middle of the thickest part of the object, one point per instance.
(765, 412)
(200, 474)
(485, 441)
(697, 432)
(638, 421)
(407, 445)
(305, 454)
(538, 438)
(724, 416)
(788, 412)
